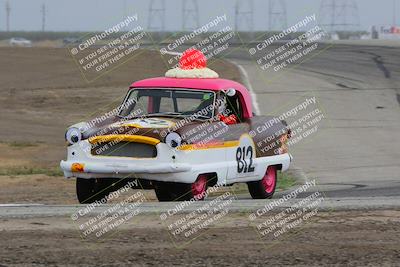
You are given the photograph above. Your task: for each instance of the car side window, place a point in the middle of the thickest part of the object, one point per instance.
(234, 106)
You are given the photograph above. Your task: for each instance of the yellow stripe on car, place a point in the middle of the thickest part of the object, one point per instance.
(209, 145)
(124, 137)
(136, 125)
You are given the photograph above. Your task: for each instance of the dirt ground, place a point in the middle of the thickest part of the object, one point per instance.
(43, 189)
(337, 238)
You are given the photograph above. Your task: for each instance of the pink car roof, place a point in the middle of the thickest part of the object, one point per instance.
(200, 84)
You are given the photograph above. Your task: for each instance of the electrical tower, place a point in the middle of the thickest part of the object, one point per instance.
(277, 16)
(156, 15)
(43, 11)
(190, 15)
(244, 15)
(339, 15)
(8, 11)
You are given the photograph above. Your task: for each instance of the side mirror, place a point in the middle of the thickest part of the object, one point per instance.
(230, 92)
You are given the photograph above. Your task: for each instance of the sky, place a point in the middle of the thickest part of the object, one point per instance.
(98, 15)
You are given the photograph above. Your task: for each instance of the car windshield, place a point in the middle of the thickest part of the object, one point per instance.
(168, 102)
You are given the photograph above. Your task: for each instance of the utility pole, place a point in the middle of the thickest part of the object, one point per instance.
(190, 15)
(277, 18)
(394, 12)
(125, 11)
(43, 10)
(156, 14)
(244, 15)
(8, 11)
(339, 15)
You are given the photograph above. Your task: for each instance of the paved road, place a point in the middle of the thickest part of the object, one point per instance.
(243, 205)
(356, 150)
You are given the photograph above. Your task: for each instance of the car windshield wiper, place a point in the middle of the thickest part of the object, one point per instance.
(128, 117)
(152, 115)
(180, 114)
(164, 114)
(202, 117)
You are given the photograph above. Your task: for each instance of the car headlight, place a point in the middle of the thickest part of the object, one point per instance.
(173, 140)
(73, 135)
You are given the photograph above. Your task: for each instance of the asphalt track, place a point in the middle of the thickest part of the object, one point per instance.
(356, 150)
(243, 205)
(354, 155)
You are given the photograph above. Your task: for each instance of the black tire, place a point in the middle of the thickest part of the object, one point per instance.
(90, 190)
(168, 191)
(258, 190)
(162, 192)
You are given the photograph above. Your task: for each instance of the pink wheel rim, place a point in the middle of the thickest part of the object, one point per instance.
(199, 187)
(269, 179)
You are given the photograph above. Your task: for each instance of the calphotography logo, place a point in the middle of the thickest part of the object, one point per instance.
(288, 214)
(96, 221)
(101, 52)
(302, 120)
(213, 39)
(270, 54)
(190, 219)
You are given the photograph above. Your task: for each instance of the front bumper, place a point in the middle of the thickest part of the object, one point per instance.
(170, 165)
(125, 168)
(79, 154)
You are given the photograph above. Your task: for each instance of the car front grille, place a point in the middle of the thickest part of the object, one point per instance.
(124, 149)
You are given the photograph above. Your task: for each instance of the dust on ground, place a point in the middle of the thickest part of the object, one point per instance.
(331, 238)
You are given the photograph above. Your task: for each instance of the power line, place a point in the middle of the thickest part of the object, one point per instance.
(190, 15)
(339, 15)
(277, 19)
(244, 15)
(156, 15)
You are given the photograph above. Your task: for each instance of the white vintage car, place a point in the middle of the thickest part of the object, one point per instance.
(178, 136)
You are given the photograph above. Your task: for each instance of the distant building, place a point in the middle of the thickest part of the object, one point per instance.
(385, 32)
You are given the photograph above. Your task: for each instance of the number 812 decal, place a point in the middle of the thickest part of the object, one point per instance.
(244, 159)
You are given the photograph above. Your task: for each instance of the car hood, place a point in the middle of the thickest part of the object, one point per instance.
(155, 127)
